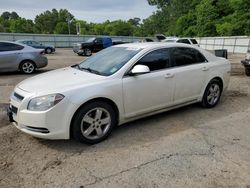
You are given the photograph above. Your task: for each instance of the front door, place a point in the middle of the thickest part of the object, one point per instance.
(151, 91)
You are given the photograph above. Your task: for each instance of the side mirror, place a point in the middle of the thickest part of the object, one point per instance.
(139, 69)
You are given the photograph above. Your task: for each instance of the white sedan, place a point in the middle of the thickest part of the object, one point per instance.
(115, 86)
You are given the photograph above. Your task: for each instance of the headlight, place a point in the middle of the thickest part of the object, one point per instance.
(44, 102)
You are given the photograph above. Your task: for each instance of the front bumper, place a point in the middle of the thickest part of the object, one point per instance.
(51, 124)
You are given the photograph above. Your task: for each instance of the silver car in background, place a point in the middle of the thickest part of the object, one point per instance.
(15, 56)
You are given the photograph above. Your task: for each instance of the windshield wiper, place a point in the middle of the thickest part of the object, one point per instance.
(76, 66)
(91, 70)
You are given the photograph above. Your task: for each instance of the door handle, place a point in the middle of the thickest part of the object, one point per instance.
(169, 75)
(205, 68)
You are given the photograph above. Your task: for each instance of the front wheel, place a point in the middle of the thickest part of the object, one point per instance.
(212, 94)
(94, 122)
(87, 52)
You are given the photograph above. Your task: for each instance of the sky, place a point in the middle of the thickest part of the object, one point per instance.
(96, 11)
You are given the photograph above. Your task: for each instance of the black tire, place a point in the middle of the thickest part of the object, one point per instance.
(48, 51)
(211, 99)
(87, 52)
(89, 111)
(247, 71)
(80, 54)
(27, 67)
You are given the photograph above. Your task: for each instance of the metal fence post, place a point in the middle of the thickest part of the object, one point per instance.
(223, 44)
(234, 44)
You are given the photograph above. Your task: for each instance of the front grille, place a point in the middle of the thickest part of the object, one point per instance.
(13, 109)
(19, 97)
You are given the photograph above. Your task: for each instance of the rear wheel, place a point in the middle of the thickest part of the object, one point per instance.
(93, 122)
(48, 50)
(27, 67)
(212, 94)
(87, 52)
(80, 54)
(247, 71)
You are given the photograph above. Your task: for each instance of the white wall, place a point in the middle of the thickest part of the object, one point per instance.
(237, 44)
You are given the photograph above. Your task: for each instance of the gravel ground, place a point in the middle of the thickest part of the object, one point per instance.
(188, 147)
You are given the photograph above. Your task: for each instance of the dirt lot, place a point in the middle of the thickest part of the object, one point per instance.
(188, 147)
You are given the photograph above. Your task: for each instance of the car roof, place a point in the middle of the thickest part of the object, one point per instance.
(148, 45)
(153, 45)
(16, 42)
(23, 40)
(12, 42)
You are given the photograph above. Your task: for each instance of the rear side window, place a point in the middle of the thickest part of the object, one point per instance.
(186, 41)
(156, 60)
(5, 46)
(194, 41)
(186, 56)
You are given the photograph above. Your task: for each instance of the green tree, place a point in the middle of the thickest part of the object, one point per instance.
(21, 25)
(206, 18)
(61, 28)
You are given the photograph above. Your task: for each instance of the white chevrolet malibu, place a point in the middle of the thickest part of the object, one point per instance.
(115, 86)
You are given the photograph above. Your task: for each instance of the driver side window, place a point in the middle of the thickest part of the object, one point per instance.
(98, 41)
(156, 60)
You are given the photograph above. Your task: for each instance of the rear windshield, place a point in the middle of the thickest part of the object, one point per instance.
(170, 40)
(194, 41)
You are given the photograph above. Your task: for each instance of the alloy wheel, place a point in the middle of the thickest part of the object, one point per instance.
(95, 123)
(213, 94)
(88, 52)
(28, 67)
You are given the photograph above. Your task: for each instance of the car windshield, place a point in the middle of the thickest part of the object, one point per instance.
(90, 40)
(109, 60)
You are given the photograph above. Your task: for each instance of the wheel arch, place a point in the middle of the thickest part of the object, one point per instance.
(220, 81)
(99, 99)
(24, 60)
(212, 78)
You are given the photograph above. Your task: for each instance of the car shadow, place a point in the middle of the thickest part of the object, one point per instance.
(155, 127)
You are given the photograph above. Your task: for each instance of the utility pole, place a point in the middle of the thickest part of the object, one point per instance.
(78, 28)
(69, 22)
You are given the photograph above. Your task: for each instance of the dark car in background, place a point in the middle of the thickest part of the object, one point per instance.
(47, 48)
(15, 56)
(94, 44)
(246, 63)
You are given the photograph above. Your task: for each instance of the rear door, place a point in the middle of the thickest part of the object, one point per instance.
(190, 73)
(9, 56)
(151, 91)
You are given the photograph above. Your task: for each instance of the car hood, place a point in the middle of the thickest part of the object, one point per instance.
(59, 80)
(87, 43)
